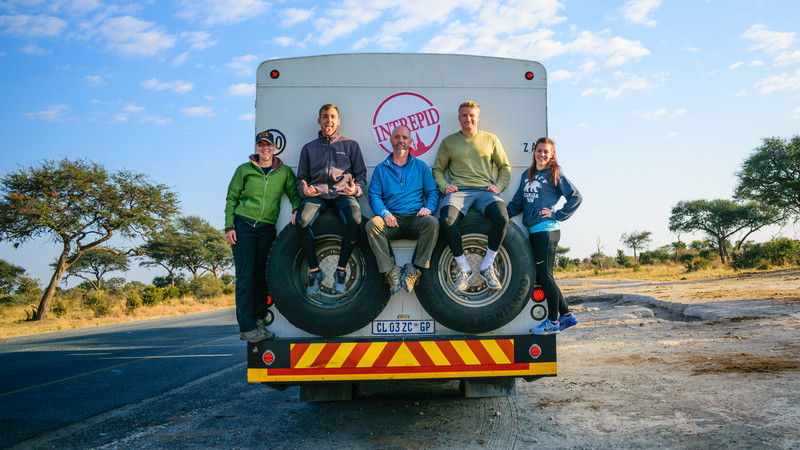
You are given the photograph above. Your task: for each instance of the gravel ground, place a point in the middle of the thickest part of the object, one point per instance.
(670, 365)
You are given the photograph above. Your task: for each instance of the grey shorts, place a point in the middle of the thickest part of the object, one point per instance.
(467, 197)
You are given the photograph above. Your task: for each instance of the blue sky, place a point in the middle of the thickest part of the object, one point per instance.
(650, 101)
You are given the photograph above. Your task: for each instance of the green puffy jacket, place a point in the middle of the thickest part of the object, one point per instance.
(256, 197)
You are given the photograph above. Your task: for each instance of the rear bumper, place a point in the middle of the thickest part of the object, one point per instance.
(297, 361)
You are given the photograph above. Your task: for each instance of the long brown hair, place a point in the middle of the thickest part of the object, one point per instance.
(552, 167)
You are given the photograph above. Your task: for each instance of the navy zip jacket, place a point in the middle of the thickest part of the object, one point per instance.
(531, 198)
(329, 163)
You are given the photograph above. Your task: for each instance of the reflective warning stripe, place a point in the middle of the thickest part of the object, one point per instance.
(402, 354)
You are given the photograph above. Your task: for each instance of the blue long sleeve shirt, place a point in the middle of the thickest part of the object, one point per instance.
(402, 189)
(532, 197)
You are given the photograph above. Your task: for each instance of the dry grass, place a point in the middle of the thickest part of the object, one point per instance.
(13, 318)
(661, 272)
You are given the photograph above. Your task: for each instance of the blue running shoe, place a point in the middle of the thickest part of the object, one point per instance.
(565, 322)
(546, 327)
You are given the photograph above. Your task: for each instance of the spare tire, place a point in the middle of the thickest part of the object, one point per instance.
(325, 313)
(478, 309)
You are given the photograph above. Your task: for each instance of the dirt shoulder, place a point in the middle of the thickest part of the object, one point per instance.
(708, 364)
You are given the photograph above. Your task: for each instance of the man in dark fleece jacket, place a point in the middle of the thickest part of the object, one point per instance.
(331, 174)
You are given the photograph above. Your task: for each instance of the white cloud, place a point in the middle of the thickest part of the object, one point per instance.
(769, 41)
(660, 114)
(617, 50)
(120, 117)
(26, 26)
(225, 12)
(284, 41)
(33, 49)
(736, 65)
(244, 65)
(782, 82)
(756, 63)
(158, 120)
(559, 75)
(786, 58)
(671, 135)
(248, 116)
(198, 111)
(796, 113)
(628, 84)
(177, 86)
(639, 11)
(293, 16)
(198, 40)
(52, 114)
(94, 80)
(133, 108)
(180, 59)
(242, 90)
(131, 36)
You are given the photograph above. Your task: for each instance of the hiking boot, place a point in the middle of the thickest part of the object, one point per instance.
(565, 322)
(410, 277)
(314, 279)
(256, 335)
(545, 327)
(393, 280)
(462, 280)
(490, 276)
(339, 277)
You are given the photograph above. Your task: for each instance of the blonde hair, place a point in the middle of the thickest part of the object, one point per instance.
(469, 104)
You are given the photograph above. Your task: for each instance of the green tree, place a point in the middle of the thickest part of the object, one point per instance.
(771, 175)
(636, 239)
(190, 243)
(78, 204)
(720, 220)
(95, 264)
(9, 275)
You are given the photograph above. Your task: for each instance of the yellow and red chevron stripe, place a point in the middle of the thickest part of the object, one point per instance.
(338, 361)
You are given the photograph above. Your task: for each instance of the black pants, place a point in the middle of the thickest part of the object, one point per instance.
(495, 212)
(544, 245)
(349, 211)
(253, 241)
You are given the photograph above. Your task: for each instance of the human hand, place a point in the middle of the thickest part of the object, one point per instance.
(294, 214)
(230, 236)
(390, 221)
(309, 191)
(424, 212)
(351, 188)
(494, 189)
(450, 189)
(546, 213)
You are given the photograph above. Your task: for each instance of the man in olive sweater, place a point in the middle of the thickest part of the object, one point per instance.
(470, 156)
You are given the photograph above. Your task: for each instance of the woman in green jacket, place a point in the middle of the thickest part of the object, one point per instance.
(252, 206)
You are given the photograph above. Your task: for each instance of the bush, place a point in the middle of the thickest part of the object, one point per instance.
(59, 309)
(228, 289)
(14, 300)
(96, 301)
(697, 264)
(207, 286)
(152, 296)
(778, 252)
(133, 300)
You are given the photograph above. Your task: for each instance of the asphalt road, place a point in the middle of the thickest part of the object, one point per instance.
(52, 380)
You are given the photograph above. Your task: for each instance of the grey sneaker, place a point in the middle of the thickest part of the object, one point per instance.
(314, 279)
(339, 278)
(490, 276)
(393, 280)
(410, 277)
(256, 335)
(462, 280)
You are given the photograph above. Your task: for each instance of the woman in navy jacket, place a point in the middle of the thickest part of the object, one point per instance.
(540, 188)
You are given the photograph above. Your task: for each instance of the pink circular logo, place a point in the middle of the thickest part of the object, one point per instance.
(412, 110)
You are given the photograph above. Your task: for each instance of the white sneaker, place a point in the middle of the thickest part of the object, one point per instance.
(462, 280)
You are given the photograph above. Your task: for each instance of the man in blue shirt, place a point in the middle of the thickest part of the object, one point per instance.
(403, 196)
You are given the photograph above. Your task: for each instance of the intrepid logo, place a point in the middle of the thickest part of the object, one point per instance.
(412, 110)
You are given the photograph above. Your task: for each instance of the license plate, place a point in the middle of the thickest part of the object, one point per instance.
(403, 327)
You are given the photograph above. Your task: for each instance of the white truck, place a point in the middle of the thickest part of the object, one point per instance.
(328, 343)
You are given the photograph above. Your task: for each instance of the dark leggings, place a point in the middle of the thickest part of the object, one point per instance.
(350, 213)
(544, 245)
(495, 212)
